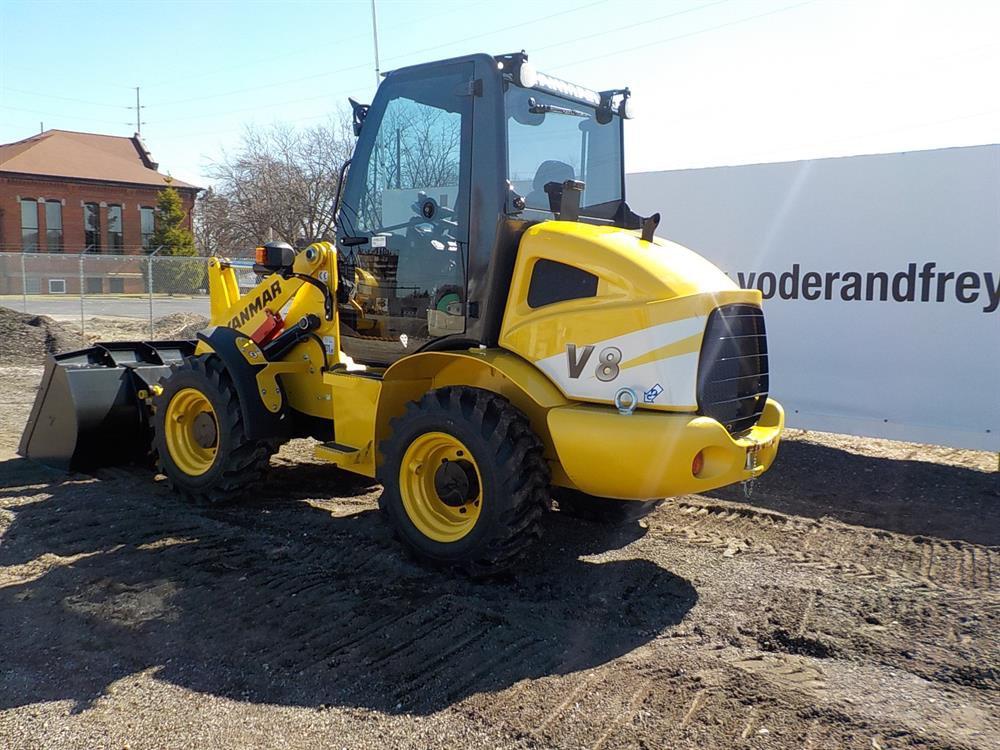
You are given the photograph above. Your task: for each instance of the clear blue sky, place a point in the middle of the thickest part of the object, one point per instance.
(716, 81)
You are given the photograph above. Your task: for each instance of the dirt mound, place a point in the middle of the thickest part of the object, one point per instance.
(26, 338)
(180, 325)
(173, 326)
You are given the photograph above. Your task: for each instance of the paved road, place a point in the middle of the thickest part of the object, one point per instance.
(67, 307)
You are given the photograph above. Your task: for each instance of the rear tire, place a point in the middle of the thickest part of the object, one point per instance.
(199, 436)
(604, 510)
(465, 483)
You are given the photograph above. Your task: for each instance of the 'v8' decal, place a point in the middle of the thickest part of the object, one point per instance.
(608, 362)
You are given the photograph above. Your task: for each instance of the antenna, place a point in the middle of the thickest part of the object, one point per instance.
(378, 77)
(138, 112)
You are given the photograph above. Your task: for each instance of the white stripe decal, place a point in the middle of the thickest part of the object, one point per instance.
(675, 375)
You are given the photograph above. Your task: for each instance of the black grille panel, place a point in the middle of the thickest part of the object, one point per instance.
(732, 371)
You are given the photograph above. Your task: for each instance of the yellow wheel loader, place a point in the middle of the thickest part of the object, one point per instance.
(491, 327)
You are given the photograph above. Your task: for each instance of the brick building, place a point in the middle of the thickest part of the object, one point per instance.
(63, 193)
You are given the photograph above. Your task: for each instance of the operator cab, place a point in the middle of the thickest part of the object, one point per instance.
(454, 160)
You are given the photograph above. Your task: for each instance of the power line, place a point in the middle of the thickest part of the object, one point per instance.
(684, 36)
(812, 85)
(465, 40)
(270, 59)
(63, 71)
(367, 65)
(875, 133)
(493, 32)
(248, 89)
(347, 69)
(243, 126)
(64, 98)
(326, 95)
(606, 32)
(64, 116)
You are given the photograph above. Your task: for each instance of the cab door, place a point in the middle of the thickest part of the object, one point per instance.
(403, 232)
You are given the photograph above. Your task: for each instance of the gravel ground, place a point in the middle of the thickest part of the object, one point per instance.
(854, 602)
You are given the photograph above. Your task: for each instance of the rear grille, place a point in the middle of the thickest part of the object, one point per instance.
(732, 371)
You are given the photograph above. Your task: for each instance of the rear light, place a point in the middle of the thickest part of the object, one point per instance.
(698, 463)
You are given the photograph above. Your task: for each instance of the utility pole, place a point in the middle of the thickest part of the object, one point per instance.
(378, 77)
(138, 113)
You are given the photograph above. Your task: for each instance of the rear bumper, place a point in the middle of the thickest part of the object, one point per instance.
(649, 454)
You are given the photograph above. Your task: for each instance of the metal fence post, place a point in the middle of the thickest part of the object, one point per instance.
(149, 287)
(24, 284)
(83, 328)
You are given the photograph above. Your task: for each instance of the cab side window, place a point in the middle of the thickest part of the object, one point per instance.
(412, 208)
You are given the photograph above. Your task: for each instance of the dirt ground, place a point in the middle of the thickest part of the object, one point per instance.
(853, 602)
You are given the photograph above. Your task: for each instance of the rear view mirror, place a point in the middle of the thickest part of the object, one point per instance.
(358, 114)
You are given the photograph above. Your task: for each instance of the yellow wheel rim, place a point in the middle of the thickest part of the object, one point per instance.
(443, 501)
(191, 431)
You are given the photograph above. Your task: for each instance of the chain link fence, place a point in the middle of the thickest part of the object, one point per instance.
(75, 287)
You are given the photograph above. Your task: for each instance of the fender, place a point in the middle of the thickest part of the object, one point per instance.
(364, 406)
(260, 422)
(495, 370)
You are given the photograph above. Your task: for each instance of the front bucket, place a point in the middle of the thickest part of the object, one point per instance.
(88, 413)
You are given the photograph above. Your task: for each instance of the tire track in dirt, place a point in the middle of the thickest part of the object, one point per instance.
(912, 604)
(295, 602)
(790, 671)
(316, 598)
(734, 698)
(832, 547)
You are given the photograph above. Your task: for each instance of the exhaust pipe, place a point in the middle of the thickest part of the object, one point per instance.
(89, 413)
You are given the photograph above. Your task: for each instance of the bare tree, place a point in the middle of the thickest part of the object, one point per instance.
(216, 231)
(280, 184)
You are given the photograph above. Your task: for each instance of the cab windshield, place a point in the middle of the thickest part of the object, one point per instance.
(552, 139)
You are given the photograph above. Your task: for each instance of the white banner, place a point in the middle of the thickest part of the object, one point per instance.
(881, 279)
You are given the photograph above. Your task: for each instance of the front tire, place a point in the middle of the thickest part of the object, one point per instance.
(199, 435)
(465, 483)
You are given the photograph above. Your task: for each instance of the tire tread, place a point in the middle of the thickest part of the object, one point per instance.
(517, 453)
(247, 461)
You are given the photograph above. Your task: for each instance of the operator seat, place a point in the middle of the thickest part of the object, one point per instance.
(550, 170)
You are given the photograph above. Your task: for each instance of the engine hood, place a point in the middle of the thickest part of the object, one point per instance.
(609, 311)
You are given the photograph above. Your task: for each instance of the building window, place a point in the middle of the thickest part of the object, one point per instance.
(57, 286)
(116, 286)
(147, 225)
(115, 243)
(91, 228)
(29, 225)
(53, 226)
